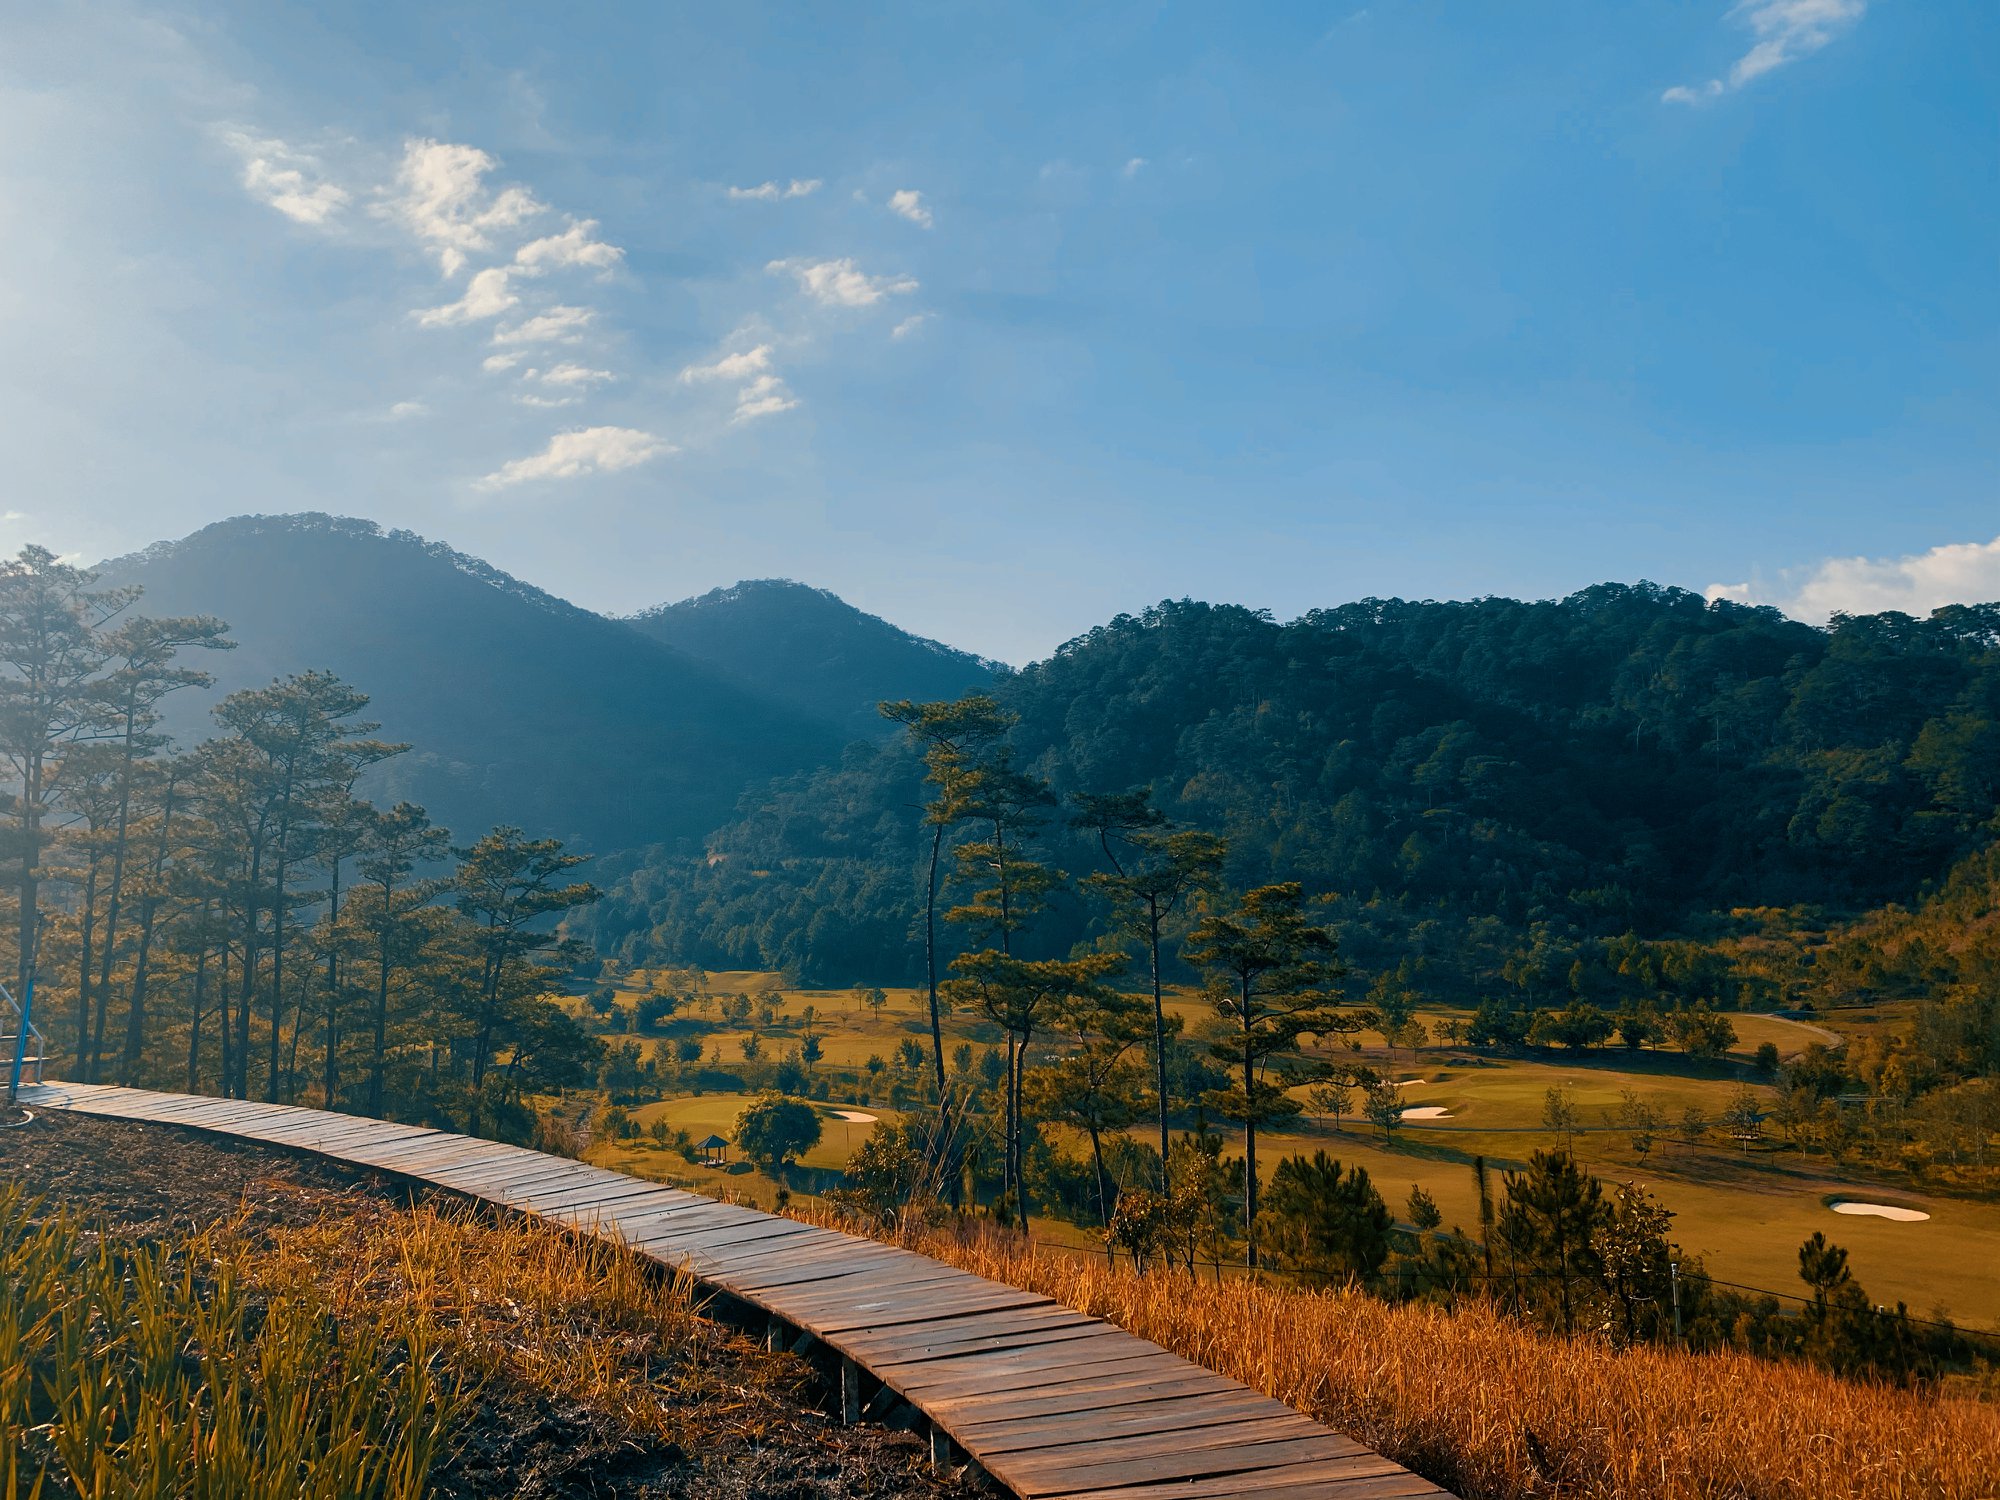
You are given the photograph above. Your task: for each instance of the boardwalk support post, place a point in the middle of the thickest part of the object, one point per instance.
(774, 1336)
(940, 1451)
(850, 1392)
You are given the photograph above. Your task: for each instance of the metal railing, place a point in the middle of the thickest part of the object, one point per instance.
(22, 1045)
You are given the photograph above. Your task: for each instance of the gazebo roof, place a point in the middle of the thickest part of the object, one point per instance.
(711, 1143)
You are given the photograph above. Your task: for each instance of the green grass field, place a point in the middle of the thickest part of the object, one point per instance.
(1744, 1213)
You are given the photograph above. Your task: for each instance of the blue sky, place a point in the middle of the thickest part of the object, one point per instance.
(999, 320)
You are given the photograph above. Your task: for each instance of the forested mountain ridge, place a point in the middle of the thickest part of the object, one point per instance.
(811, 649)
(523, 708)
(1491, 787)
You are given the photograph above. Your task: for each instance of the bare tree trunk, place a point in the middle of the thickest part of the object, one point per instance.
(86, 1057)
(194, 1021)
(1249, 1139)
(135, 1021)
(1154, 917)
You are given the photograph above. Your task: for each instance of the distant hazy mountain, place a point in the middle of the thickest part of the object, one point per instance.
(813, 650)
(521, 708)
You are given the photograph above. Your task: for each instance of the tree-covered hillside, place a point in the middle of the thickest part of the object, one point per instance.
(524, 708)
(1487, 786)
(813, 650)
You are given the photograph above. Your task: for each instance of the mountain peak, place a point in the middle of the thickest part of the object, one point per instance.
(810, 648)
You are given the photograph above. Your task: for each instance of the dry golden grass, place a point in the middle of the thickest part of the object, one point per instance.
(578, 1319)
(1496, 1411)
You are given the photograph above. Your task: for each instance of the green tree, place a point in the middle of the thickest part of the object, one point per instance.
(1549, 1230)
(52, 647)
(1155, 869)
(1022, 995)
(773, 1131)
(510, 887)
(1273, 974)
(1382, 1102)
(1095, 1086)
(1328, 1221)
(384, 920)
(953, 739)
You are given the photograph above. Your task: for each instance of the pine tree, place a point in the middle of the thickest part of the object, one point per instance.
(1274, 975)
(1155, 870)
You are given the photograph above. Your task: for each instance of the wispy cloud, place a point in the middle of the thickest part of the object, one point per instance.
(402, 411)
(569, 373)
(1916, 584)
(486, 296)
(765, 396)
(771, 192)
(909, 325)
(909, 204)
(840, 283)
(730, 366)
(493, 364)
(590, 450)
(577, 245)
(442, 197)
(1134, 166)
(559, 325)
(1783, 31)
(289, 180)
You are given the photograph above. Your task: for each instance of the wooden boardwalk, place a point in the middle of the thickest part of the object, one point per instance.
(1052, 1404)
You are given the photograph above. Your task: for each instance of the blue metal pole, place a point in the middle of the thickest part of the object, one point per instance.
(21, 1041)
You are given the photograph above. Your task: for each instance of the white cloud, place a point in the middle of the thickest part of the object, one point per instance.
(909, 203)
(1956, 573)
(403, 410)
(288, 180)
(572, 374)
(1135, 166)
(763, 397)
(589, 450)
(771, 192)
(493, 364)
(730, 366)
(909, 325)
(531, 398)
(442, 197)
(486, 296)
(1784, 31)
(840, 283)
(575, 246)
(559, 325)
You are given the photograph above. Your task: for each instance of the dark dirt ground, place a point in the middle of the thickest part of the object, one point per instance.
(148, 1182)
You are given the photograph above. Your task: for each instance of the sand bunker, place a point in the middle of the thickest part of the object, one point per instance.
(1411, 1083)
(857, 1116)
(1427, 1112)
(1881, 1211)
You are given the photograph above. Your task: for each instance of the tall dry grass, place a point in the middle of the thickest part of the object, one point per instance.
(170, 1370)
(582, 1320)
(1496, 1411)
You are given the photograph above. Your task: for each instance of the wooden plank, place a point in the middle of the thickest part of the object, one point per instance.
(569, 1198)
(1108, 1398)
(1034, 1479)
(1049, 1360)
(1370, 1478)
(974, 1334)
(1137, 1377)
(1023, 1429)
(1080, 1455)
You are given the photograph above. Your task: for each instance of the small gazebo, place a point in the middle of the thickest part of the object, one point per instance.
(714, 1151)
